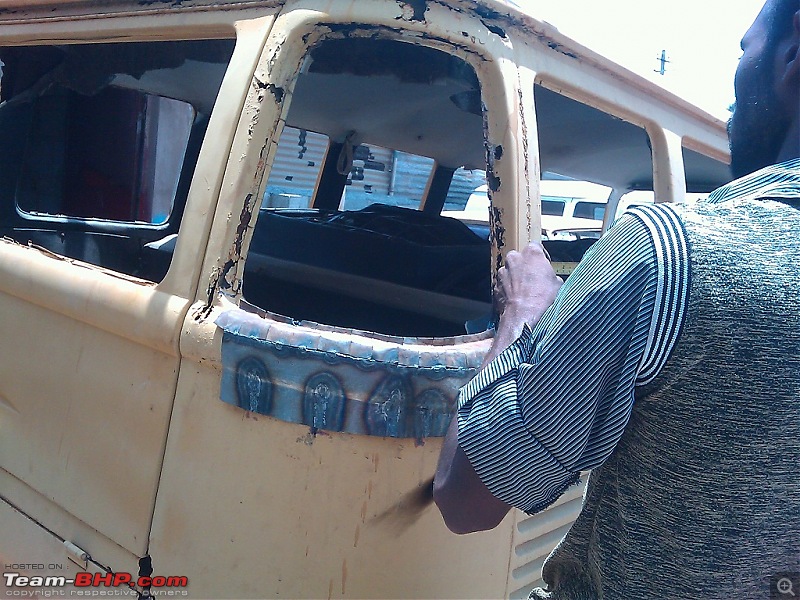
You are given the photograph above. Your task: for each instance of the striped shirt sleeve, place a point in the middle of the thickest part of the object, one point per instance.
(557, 400)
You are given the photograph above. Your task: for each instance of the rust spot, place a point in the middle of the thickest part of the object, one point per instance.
(497, 233)
(307, 439)
(492, 154)
(236, 251)
(495, 29)
(559, 48)
(487, 13)
(418, 8)
(273, 89)
(525, 159)
(492, 180)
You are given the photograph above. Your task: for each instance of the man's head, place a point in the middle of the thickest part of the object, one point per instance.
(765, 126)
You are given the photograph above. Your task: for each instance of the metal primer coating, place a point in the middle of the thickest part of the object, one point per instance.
(384, 390)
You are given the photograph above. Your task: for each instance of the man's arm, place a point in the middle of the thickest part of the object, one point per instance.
(526, 287)
(553, 402)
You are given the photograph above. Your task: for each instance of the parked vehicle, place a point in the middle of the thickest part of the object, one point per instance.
(570, 210)
(235, 319)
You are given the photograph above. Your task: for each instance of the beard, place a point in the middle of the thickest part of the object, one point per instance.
(758, 126)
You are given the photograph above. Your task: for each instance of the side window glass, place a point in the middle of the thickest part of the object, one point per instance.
(589, 210)
(115, 156)
(383, 139)
(98, 145)
(553, 207)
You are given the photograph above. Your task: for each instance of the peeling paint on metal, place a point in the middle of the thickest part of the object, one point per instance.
(413, 10)
(226, 278)
(559, 48)
(492, 180)
(497, 234)
(525, 156)
(348, 30)
(276, 91)
(495, 29)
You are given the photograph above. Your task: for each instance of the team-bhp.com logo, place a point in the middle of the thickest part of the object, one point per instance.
(94, 584)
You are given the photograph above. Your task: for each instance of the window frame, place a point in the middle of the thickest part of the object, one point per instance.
(102, 224)
(280, 64)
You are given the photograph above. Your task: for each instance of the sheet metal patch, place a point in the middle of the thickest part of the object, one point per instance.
(299, 377)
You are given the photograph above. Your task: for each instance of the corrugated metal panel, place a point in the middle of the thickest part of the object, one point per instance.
(301, 153)
(296, 168)
(370, 178)
(463, 184)
(536, 536)
(412, 175)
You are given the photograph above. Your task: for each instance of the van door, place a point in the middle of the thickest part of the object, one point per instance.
(301, 443)
(99, 145)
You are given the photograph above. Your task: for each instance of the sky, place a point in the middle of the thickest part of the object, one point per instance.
(701, 39)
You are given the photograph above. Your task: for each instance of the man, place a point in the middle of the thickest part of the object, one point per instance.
(669, 366)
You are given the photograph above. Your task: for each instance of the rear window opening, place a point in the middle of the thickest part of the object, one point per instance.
(98, 144)
(381, 137)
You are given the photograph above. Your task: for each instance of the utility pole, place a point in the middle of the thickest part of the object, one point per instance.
(663, 60)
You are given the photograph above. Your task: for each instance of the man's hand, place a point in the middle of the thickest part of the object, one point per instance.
(526, 286)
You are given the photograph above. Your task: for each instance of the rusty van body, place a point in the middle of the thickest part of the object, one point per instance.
(234, 320)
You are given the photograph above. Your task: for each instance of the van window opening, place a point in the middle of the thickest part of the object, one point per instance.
(589, 156)
(585, 155)
(99, 144)
(381, 137)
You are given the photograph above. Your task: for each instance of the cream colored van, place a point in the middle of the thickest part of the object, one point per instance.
(234, 320)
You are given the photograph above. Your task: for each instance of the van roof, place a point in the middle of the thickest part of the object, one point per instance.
(562, 123)
(494, 12)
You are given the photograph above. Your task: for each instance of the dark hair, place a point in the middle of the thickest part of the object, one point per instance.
(779, 20)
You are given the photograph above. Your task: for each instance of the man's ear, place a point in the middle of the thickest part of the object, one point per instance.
(791, 56)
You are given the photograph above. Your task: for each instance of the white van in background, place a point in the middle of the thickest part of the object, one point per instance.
(571, 210)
